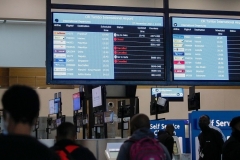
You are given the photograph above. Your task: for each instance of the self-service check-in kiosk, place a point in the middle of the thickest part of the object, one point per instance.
(177, 150)
(219, 119)
(112, 150)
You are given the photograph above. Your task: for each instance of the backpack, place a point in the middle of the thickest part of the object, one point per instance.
(65, 153)
(147, 149)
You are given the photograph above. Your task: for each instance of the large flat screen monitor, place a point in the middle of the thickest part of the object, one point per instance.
(97, 96)
(156, 108)
(51, 106)
(57, 105)
(106, 47)
(76, 101)
(194, 102)
(172, 94)
(206, 49)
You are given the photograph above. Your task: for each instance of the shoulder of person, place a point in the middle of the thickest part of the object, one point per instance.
(82, 150)
(231, 146)
(200, 134)
(215, 131)
(169, 138)
(44, 148)
(2, 137)
(45, 151)
(128, 143)
(232, 141)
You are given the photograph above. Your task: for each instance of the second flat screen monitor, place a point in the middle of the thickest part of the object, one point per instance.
(107, 47)
(76, 101)
(172, 94)
(54, 105)
(206, 49)
(51, 107)
(97, 96)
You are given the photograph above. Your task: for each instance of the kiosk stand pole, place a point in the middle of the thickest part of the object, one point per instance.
(156, 115)
(156, 99)
(36, 129)
(49, 121)
(122, 125)
(36, 133)
(122, 105)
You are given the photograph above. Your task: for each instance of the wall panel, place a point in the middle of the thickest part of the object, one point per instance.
(4, 72)
(36, 9)
(34, 77)
(211, 99)
(227, 5)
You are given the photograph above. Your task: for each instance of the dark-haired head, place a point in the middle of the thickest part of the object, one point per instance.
(20, 107)
(207, 117)
(139, 121)
(66, 130)
(170, 129)
(235, 124)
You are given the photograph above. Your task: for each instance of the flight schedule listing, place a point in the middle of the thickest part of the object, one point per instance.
(206, 49)
(110, 47)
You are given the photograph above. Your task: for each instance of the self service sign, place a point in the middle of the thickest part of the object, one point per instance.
(179, 125)
(220, 119)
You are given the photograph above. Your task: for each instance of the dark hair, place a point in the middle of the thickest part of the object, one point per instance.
(234, 121)
(170, 127)
(161, 132)
(66, 130)
(140, 121)
(207, 117)
(22, 103)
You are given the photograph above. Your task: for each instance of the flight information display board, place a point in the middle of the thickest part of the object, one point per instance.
(108, 47)
(206, 49)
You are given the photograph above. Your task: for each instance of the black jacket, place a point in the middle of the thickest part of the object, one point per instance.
(80, 153)
(137, 135)
(24, 148)
(231, 148)
(167, 140)
(211, 143)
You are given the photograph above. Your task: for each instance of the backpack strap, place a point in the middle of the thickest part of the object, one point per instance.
(68, 150)
(71, 148)
(130, 140)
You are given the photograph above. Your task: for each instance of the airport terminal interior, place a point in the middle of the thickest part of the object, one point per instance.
(97, 63)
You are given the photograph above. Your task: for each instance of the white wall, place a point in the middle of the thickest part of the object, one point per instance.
(227, 5)
(36, 9)
(22, 45)
(211, 99)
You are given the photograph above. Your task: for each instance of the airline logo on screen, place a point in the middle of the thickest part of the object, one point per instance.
(178, 56)
(59, 53)
(76, 95)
